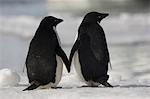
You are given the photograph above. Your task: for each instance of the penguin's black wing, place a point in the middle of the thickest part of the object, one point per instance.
(73, 50)
(63, 56)
(98, 44)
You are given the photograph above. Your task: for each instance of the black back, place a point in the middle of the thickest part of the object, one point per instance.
(92, 48)
(41, 59)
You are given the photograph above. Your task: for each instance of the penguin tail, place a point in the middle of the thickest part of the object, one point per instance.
(110, 65)
(106, 84)
(34, 85)
(24, 67)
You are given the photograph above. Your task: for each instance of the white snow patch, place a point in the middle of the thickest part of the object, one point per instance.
(8, 77)
(71, 89)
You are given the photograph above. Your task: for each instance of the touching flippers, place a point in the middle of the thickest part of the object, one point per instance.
(73, 50)
(63, 56)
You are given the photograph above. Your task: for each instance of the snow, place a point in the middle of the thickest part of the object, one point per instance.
(71, 89)
(8, 77)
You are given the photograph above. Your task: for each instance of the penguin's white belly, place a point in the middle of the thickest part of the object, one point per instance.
(79, 72)
(77, 66)
(58, 73)
(59, 70)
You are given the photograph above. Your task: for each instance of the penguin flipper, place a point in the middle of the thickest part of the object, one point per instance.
(63, 56)
(33, 85)
(74, 48)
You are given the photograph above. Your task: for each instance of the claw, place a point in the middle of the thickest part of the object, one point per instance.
(106, 84)
(56, 87)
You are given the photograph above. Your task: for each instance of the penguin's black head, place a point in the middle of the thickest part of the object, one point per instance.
(50, 21)
(95, 17)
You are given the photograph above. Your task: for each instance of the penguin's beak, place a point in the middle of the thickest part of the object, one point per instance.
(104, 15)
(59, 21)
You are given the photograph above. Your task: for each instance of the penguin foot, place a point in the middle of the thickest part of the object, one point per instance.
(106, 84)
(56, 87)
(94, 86)
(84, 86)
(34, 85)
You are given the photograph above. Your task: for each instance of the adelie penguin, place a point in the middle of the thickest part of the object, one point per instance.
(45, 57)
(90, 52)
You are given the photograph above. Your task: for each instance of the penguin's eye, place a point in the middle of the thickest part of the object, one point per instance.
(99, 17)
(54, 20)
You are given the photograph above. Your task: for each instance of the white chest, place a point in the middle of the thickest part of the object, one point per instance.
(58, 76)
(54, 28)
(79, 71)
(77, 66)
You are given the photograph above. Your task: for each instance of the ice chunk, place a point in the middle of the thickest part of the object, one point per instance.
(8, 77)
